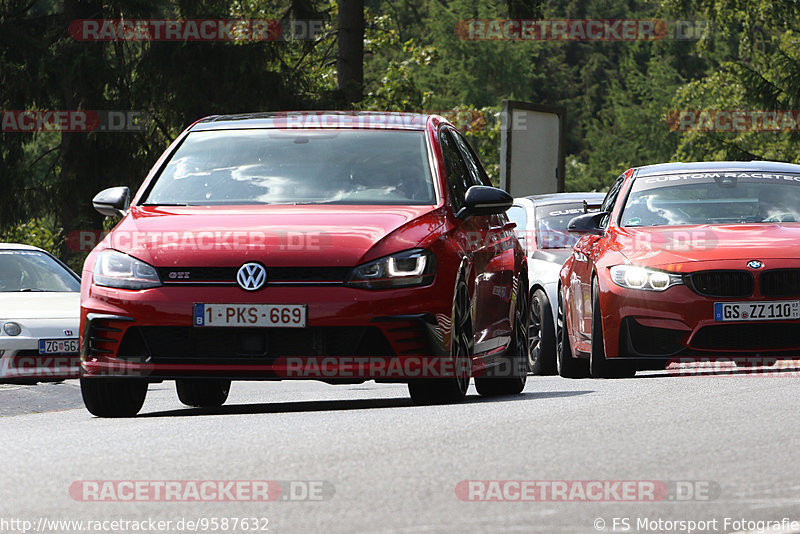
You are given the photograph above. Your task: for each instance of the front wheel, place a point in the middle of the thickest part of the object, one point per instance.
(514, 370)
(542, 335)
(113, 397)
(599, 365)
(203, 393)
(453, 389)
(568, 367)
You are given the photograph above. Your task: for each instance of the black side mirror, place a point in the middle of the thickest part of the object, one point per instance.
(113, 201)
(588, 223)
(483, 200)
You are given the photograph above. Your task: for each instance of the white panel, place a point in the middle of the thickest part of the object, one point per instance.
(534, 147)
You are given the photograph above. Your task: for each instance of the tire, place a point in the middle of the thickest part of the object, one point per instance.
(567, 365)
(514, 370)
(203, 393)
(113, 397)
(599, 365)
(451, 390)
(542, 335)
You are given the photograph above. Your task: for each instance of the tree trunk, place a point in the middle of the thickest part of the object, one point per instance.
(350, 57)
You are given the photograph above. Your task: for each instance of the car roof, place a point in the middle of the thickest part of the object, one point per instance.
(562, 198)
(719, 166)
(317, 119)
(18, 246)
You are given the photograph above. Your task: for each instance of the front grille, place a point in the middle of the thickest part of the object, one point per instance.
(197, 274)
(185, 344)
(780, 283)
(102, 337)
(755, 337)
(35, 353)
(721, 283)
(637, 340)
(307, 274)
(227, 275)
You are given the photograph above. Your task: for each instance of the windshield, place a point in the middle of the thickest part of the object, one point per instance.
(31, 270)
(713, 198)
(551, 225)
(297, 167)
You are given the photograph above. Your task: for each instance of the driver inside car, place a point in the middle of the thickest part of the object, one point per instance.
(11, 274)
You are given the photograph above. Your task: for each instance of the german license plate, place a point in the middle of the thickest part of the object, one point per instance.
(263, 315)
(757, 311)
(59, 346)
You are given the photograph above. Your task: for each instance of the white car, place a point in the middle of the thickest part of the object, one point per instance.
(39, 316)
(542, 229)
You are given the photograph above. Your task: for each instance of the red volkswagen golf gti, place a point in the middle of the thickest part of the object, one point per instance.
(685, 260)
(342, 247)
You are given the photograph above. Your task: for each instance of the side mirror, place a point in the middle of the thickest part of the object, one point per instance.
(588, 223)
(113, 201)
(483, 200)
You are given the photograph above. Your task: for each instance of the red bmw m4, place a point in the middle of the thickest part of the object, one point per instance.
(684, 260)
(342, 247)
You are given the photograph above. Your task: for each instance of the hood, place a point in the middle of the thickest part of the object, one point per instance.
(32, 305)
(677, 245)
(553, 255)
(281, 235)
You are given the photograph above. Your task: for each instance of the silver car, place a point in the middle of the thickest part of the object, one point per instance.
(542, 229)
(39, 316)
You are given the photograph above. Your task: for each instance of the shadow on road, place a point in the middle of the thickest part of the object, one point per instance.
(343, 405)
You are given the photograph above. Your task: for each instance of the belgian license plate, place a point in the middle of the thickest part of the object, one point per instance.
(59, 346)
(757, 311)
(264, 315)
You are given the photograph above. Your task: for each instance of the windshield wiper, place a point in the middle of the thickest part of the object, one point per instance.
(30, 289)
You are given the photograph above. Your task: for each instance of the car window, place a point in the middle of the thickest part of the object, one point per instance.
(269, 166)
(611, 198)
(551, 225)
(518, 215)
(713, 198)
(476, 173)
(458, 177)
(31, 270)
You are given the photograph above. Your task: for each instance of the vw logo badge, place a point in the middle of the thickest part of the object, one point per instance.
(251, 276)
(755, 264)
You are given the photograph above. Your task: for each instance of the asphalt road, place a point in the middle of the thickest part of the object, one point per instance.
(375, 463)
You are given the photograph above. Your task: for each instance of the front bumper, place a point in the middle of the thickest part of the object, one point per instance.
(351, 335)
(20, 358)
(679, 323)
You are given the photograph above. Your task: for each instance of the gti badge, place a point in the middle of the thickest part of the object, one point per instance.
(755, 264)
(251, 276)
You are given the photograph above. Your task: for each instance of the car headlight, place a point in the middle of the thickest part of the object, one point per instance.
(115, 269)
(635, 277)
(415, 267)
(12, 329)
